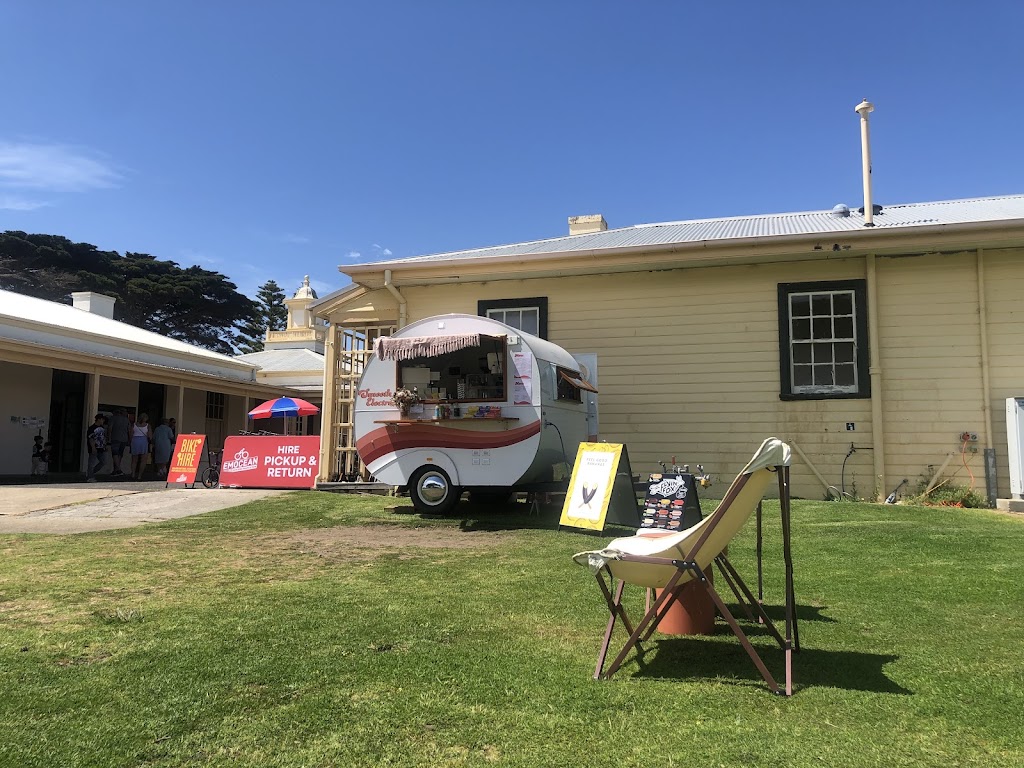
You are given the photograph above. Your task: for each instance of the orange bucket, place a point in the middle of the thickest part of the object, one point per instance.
(693, 613)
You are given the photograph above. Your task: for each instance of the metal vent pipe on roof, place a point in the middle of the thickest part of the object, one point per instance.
(864, 109)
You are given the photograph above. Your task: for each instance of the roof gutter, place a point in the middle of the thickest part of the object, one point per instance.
(402, 304)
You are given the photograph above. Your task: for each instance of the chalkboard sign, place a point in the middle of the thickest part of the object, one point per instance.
(671, 502)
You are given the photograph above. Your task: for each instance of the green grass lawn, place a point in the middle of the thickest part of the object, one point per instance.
(257, 636)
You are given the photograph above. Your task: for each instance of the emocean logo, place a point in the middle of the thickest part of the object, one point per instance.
(242, 462)
(377, 398)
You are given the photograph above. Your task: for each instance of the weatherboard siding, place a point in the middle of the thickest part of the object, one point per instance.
(931, 363)
(1004, 287)
(688, 362)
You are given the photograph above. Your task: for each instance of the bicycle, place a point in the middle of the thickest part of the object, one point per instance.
(211, 475)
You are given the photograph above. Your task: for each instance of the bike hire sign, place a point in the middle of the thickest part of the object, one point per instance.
(270, 462)
(188, 452)
(601, 489)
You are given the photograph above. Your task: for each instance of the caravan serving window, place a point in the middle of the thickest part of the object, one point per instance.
(472, 374)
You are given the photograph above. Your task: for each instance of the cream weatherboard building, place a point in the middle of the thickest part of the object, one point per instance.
(61, 364)
(892, 340)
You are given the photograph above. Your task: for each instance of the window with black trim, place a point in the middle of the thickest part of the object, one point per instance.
(823, 340)
(527, 315)
(215, 405)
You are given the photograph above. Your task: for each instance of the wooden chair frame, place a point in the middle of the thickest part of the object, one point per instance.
(752, 606)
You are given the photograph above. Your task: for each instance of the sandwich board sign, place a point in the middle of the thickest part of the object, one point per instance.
(600, 489)
(185, 460)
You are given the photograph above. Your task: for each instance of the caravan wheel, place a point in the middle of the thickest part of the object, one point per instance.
(432, 491)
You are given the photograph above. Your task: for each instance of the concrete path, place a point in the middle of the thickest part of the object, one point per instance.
(80, 507)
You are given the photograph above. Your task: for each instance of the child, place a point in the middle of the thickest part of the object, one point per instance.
(40, 456)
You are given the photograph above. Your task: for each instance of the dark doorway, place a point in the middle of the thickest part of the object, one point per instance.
(151, 401)
(67, 420)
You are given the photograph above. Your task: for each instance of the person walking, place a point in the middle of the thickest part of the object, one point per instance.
(120, 436)
(142, 442)
(163, 444)
(96, 440)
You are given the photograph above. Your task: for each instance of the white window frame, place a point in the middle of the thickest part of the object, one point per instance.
(501, 314)
(814, 343)
(498, 309)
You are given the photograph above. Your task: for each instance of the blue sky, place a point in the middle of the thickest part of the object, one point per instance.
(271, 139)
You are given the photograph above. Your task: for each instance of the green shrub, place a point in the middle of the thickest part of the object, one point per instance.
(952, 496)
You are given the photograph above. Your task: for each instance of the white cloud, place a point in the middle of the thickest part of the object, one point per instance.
(55, 167)
(353, 255)
(11, 203)
(380, 250)
(290, 237)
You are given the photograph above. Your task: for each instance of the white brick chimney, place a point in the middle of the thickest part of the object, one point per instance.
(584, 225)
(96, 303)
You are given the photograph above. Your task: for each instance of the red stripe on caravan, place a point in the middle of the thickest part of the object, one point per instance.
(397, 437)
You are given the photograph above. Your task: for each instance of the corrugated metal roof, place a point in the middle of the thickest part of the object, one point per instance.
(292, 360)
(762, 225)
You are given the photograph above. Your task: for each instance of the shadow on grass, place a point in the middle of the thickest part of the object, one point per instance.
(777, 613)
(491, 517)
(690, 658)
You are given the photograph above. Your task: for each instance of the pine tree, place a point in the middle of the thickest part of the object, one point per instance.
(271, 314)
(270, 298)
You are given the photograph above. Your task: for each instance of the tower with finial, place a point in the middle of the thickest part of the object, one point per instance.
(303, 330)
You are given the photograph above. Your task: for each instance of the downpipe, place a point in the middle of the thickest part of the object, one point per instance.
(402, 304)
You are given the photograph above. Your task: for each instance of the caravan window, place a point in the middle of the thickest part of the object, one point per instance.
(568, 387)
(548, 379)
(473, 374)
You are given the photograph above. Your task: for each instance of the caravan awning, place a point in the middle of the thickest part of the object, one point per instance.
(389, 348)
(577, 381)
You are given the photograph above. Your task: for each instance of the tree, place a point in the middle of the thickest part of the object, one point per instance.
(271, 314)
(190, 304)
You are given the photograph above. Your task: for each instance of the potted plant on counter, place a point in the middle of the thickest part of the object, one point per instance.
(405, 399)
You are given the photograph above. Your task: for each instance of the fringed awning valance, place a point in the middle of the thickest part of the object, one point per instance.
(387, 348)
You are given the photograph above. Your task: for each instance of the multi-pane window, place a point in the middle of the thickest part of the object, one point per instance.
(823, 338)
(823, 341)
(526, 319)
(215, 405)
(527, 315)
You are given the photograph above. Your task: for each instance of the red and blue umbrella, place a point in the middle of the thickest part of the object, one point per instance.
(283, 406)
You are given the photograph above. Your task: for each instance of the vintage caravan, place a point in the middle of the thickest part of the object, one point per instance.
(498, 410)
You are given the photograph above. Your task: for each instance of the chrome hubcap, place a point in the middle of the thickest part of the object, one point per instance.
(433, 488)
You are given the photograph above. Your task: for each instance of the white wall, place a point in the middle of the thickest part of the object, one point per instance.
(24, 391)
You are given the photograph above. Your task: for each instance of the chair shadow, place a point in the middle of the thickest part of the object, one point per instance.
(515, 516)
(693, 658)
(481, 517)
(777, 613)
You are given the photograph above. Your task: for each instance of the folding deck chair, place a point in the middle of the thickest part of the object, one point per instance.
(668, 562)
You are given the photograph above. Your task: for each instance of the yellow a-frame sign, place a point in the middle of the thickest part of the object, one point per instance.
(601, 489)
